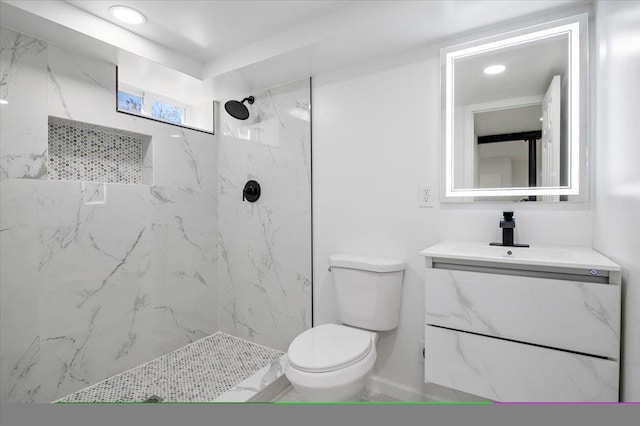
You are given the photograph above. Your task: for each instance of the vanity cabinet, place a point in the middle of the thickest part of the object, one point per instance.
(522, 324)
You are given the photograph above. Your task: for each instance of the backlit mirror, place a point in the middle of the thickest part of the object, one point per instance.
(515, 114)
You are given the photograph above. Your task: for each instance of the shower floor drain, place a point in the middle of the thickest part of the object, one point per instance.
(153, 398)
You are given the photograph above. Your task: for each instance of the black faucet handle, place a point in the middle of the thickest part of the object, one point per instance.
(508, 215)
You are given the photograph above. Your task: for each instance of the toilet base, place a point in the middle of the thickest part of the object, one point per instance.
(345, 384)
(350, 392)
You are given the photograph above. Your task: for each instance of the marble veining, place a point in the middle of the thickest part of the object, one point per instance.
(96, 278)
(58, 91)
(583, 317)
(507, 371)
(200, 372)
(19, 287)
(264, 247)
(512, 337)
(600, 310)
(23, 81)
(22, 370)
(14, 48)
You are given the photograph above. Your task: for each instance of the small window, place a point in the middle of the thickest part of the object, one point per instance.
(167, 112)
(129, 102)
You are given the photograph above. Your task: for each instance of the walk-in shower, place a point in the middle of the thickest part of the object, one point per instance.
(129, 259)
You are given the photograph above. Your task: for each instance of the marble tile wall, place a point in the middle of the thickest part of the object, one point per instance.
(265, 247)
(19, 292)
(23, 83)
(95, 278)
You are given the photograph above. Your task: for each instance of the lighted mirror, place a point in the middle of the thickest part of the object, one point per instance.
(167, 97)
(515, 114)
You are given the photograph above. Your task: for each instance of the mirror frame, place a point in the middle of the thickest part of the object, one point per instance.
(576, 28)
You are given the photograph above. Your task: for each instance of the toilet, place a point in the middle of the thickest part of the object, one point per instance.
(332, 362)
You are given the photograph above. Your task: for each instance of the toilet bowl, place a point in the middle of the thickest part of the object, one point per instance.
(331, 362)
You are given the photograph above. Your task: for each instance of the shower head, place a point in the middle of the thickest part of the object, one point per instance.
(237, 109)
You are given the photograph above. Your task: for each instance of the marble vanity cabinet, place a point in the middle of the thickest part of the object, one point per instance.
(522, 324)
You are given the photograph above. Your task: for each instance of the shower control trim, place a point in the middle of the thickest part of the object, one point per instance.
(251, 191)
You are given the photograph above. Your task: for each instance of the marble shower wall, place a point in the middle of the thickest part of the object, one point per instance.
(265, 247)
(23, 152)
(95, 279)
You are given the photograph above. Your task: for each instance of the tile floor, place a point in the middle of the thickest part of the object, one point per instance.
(292, 395)
(198, 372)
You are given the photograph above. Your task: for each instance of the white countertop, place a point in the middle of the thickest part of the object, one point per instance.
(560, 256)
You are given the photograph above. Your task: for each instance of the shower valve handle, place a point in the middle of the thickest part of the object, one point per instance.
(251, 191)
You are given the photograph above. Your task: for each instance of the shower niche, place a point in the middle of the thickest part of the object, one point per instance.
(90, 153)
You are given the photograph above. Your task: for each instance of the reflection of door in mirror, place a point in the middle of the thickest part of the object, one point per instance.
(550, 164)
(500, 136)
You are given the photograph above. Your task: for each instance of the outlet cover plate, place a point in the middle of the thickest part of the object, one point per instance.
(426, 195)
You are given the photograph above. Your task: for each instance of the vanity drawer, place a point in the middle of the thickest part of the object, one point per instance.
(502, 370)
(572, 315)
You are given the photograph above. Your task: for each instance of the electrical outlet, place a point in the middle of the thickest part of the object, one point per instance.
(425, 195)
(421, 352)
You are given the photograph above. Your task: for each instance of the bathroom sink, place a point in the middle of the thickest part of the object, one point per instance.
(531, 253)
(573, 257)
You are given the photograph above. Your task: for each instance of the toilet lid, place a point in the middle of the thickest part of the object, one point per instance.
(329, 347)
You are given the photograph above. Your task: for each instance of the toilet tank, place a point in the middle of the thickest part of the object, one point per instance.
(367, 290)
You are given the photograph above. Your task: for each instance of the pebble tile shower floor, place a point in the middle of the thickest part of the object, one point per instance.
(198, 372)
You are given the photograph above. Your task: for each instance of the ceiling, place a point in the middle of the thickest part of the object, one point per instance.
(509, 120)
(529, 70)
(220, 49)
(205, 30)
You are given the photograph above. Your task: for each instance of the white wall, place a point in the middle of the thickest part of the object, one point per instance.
(617, 184)
(376, 136)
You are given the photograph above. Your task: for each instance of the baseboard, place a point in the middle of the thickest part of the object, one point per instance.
(396, 390)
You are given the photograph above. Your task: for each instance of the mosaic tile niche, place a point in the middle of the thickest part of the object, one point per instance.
(90, 153)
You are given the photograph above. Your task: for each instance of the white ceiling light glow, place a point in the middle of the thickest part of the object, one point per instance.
(127, 15)
(494, 69)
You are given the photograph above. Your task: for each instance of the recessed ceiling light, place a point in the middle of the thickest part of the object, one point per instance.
(174, 135)
(494, 69)
(127, 15)
(3, 102)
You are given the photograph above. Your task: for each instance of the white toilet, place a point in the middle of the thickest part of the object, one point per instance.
(332, 362)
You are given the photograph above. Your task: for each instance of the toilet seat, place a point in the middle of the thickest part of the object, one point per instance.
(329, 347)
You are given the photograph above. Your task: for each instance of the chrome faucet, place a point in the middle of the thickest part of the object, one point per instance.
(508, 224)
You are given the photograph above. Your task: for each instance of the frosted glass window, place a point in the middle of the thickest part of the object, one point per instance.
(129, 102)
(167, 112)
